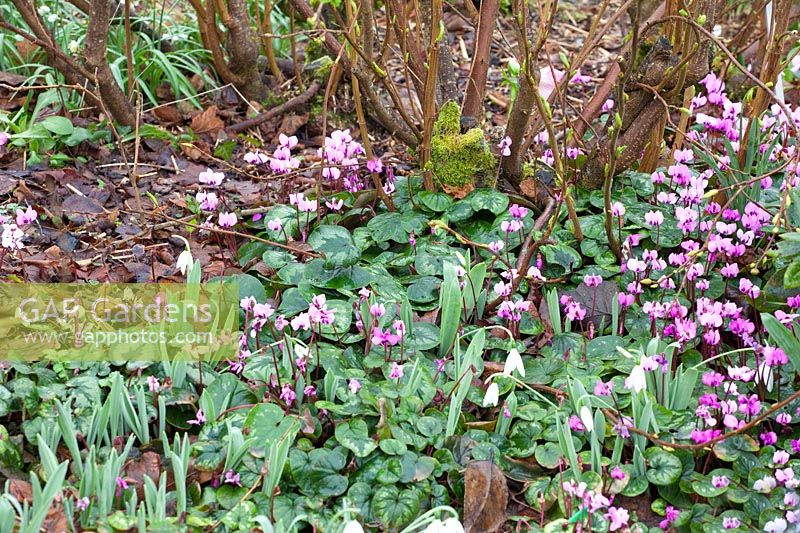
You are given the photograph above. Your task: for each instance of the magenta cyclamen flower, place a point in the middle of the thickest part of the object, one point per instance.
(774, 356)
(288, 395)
(579, 78)
(517, 211)
(670, 516)
(232, 478)
(617, 473)
(375, 166)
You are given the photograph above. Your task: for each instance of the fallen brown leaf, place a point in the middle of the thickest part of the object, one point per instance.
(485, 497)
(207, 121)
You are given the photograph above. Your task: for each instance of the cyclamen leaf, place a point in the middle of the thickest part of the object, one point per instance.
(354, 436)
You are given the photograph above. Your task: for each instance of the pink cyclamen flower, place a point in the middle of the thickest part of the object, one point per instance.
(654, 218)
(256, 158)
(211, 178)
(670, 516)
(617, 209)
(199, 419)
(603, 389)
(505, 146)
(4, 137)
(731, 522)
(375, 166)
(774, 356)
(287, 142)
(82, 504)
(396, 372)
(227, 220)
(748, 288)
(617, 473)
(26, 217)
(517, 211)
(334, 205)
(152, 384)
(275, 224)
(232, 478)
(354, 385)
(511, 226)
(592, 280)
(575, 423)
(608, 105)
(208, 201)
(720, 481)
(579, 78)
(288, 395)
(618, 517)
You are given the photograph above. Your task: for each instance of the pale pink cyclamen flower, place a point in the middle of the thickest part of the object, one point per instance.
(4, 137)
(375, 166)
(227, 220)
(608, 105)
(334, 205)
(211, 178)
(287, 142)
(354, 385)
(198, 420)
(617, 209)
(256, 158)
(548, 78)
(275, 224)
(208, 201)
(396, 372)
(152, 384)
(26, 217)
(505, 146)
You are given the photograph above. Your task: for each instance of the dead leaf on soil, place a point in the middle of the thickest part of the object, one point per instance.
(55, 520)
(291, 123)
(459, 192)
(485, 497)
(149, 464)
(168, 114)
(207, 121)
(82, 204)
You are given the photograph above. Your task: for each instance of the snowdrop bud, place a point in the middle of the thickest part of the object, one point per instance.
(353, 527)
(587, 419)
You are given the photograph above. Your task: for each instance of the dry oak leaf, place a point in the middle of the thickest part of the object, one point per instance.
(485, 497)
(207, 122)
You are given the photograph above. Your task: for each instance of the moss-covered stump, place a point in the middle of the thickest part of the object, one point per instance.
(460, 161)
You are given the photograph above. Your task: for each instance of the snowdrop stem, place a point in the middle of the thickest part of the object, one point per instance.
(524, 386)
(718, 356)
